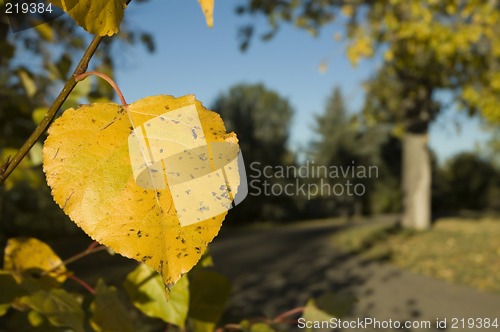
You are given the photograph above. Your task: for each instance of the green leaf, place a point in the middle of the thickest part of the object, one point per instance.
(209, 293)
(146, 290)
(196, 325)
(261, 327)
(59, 307)
(45, 32)
(27, 82)
(322, 309)
(63, 65)
(38, 114)
(337, 305)
(35, 318)
(99, 17)
(10, 291)
(246, 326)
(108, 312)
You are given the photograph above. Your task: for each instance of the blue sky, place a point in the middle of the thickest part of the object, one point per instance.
(191, 58)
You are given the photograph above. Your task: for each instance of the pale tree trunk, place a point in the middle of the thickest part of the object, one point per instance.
(416, 176)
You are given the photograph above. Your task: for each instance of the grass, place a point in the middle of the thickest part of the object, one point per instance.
(461, 251)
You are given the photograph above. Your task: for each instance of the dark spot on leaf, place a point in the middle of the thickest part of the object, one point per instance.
(139, 234)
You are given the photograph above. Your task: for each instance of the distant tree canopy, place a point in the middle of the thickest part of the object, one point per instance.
(344, 139)
(261, 118)
(471, 184)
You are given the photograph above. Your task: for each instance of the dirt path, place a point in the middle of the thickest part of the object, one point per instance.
(280, 268)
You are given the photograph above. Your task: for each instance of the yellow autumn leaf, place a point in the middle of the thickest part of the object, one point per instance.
(207, 6)
(93, 164)
(99, 17)
(25, 256)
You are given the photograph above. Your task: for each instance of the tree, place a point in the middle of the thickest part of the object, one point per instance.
(261, 117)
(428, 47)
(346, 140)
(471, 182)
(333, 130)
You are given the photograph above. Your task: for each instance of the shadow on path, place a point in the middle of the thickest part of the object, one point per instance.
(281, 268)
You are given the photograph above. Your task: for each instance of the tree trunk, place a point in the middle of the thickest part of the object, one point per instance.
(416, 175)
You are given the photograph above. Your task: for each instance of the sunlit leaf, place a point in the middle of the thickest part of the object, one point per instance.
(58, 306)
(99, 17)
(147, 292)
(108, 312)
(45, 31)
(208, 10)
(33, 258)
(88, 166)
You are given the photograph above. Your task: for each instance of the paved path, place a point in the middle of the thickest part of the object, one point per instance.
(280, 268)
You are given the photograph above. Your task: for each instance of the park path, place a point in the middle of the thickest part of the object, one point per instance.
(280, 268)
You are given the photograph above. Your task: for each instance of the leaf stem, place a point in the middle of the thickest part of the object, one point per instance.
(105, 77)
(85, 285)
(288, 313)
(91, 249)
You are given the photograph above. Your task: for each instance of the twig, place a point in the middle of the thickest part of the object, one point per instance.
(83, 283)
(5, 165)
(84, 253)
(49, 117)
(105, 77)
(91, 249)
(288, 313)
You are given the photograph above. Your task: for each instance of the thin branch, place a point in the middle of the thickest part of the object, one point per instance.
(108, 79)
(92, 249)
(49, 117)
(85, 285)
(84, 253)
(288, 313)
